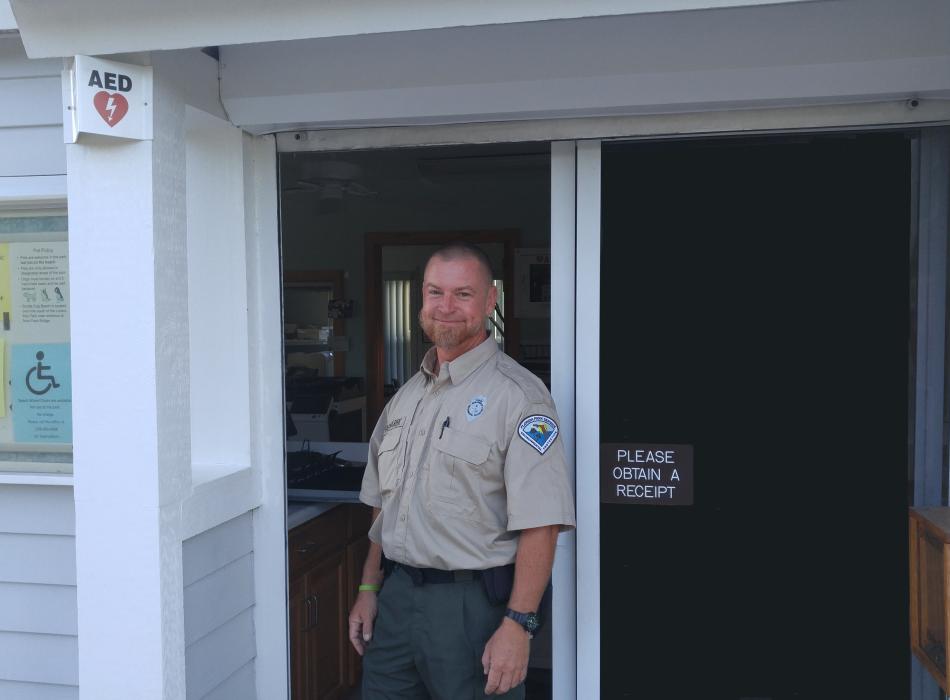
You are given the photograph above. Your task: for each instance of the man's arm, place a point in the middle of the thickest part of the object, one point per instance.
(505, 660)
(363, 613)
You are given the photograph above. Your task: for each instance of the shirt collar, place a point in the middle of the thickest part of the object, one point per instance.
(462, 366)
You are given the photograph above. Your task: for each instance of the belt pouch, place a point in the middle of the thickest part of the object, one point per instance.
(498, 583)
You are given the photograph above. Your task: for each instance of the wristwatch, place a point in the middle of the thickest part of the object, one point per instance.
(529, 621)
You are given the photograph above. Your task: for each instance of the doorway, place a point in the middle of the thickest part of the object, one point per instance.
(755, 306)
(356, 229)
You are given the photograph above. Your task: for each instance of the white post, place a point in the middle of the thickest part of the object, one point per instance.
(267, 415)
(564, 621)
(130, 405)
(588, 419)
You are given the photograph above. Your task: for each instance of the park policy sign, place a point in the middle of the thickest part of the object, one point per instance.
(107, 98)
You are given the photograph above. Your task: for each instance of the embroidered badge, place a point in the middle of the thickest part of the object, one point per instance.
(475, 408)
(539, 432)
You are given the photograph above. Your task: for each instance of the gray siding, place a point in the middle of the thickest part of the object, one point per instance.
(38, 642)
(38, 621)
(218, 569)
(31, 113)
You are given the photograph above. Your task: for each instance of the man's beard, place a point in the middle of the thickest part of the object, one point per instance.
(449, 335)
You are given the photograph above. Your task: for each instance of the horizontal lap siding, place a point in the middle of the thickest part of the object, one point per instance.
(13, 690)
(218, 573)
(31, 114)
(38, 642)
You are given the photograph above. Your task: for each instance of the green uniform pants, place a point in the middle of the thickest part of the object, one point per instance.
(428, 642)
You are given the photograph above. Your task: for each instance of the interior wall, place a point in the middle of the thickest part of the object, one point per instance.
(511, 197)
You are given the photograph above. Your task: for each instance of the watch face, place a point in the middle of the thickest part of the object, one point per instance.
(532, 622)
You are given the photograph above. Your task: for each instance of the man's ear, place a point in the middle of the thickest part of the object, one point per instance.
(492, 300)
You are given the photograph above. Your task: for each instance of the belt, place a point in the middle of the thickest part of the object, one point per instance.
(422, 576)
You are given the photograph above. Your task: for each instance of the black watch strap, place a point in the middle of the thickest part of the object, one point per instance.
(529, 620)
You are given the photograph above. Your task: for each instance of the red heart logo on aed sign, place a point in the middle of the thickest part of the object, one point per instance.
(111, 107)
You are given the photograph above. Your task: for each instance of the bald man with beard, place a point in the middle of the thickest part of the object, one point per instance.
(469, 488)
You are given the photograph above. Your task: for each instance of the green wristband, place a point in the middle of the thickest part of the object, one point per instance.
(369, 587)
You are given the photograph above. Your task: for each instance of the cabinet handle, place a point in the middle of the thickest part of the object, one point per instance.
(313, 610)
(309, 613)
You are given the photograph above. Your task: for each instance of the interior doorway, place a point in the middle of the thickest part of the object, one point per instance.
(356, 228)
(755, 305)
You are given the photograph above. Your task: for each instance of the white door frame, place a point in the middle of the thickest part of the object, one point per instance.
(563, 289)
(587, 376)
(563, 333)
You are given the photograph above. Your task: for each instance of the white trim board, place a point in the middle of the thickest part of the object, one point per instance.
(587, 407)
(65, 28)
(876, 115)
(563, 368)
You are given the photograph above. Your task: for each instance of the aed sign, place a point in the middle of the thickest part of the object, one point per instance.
(107, 98)
(646, 474)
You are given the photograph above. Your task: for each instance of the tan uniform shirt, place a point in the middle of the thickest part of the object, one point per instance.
(461, 461)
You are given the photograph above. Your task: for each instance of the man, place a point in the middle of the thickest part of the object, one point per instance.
(466, 476)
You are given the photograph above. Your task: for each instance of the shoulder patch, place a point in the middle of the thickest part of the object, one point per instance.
(538, 431)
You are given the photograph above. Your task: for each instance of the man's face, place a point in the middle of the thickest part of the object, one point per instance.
(456, 299)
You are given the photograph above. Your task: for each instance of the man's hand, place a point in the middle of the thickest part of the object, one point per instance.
(505, 660)
(362, 617)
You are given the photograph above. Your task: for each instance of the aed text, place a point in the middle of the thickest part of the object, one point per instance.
(110, 81)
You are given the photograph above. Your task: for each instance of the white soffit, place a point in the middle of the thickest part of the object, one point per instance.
(7, 20)
(822, 53)
(95, 27)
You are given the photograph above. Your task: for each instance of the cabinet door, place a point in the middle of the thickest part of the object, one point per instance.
(299, 622)
(355, 557)
(325, 637)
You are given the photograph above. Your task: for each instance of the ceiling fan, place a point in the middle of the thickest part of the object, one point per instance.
(330, 181)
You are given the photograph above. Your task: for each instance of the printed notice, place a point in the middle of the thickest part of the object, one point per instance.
(40, 281)
(41, 389)
(646, 474)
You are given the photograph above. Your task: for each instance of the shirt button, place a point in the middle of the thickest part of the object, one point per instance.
(402, 517)
(422, 431)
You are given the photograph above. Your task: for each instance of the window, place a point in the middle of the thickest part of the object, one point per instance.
(397, 330)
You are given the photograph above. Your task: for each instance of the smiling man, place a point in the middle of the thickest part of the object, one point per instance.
(469, 487)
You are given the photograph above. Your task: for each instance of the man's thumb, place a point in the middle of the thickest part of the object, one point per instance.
(367, 630)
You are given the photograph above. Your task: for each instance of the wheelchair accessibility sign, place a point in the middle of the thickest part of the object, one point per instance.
(41, 392)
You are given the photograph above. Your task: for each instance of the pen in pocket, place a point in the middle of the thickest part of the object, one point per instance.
(445, 424)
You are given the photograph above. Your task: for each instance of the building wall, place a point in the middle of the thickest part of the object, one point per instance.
(38, 637)
(218, 567)
(31, 122)
(38, 614)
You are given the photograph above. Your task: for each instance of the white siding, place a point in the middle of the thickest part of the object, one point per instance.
(218, 573)
(31, 114)
(38, 642)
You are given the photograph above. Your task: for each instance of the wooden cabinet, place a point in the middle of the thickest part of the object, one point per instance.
(326, 559)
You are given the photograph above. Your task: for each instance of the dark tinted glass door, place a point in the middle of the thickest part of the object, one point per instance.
(755, 305)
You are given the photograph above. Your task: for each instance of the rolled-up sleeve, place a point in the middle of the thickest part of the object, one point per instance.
(369, 491)
(537, 480)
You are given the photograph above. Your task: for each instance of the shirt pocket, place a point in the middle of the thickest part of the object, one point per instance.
(387, 461)
(456, 471)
